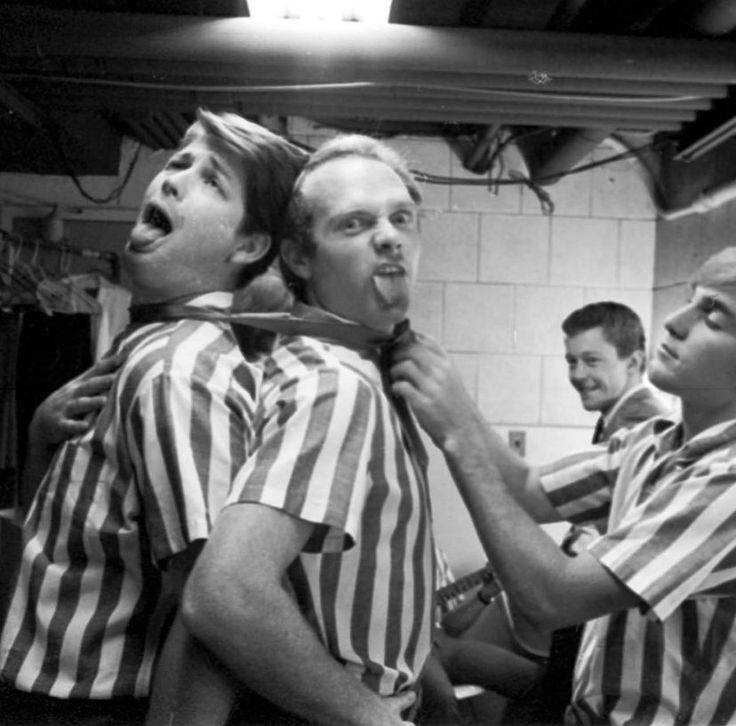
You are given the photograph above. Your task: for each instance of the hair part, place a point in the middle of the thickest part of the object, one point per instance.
(620, 325)
(270, 165)
(299, 220)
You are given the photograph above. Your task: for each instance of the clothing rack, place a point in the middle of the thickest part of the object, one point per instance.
(111, 258)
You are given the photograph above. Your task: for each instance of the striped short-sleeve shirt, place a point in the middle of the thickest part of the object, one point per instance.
(88, 612)
(671, 539)
(329, 451)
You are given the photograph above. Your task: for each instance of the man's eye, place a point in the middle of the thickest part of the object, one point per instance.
(352, 224)
(212, 180)
(404, 218)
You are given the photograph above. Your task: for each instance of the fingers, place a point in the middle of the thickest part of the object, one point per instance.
(71, 427)
(96, 385)
(401, 701)
(104, 366)
(81, 406)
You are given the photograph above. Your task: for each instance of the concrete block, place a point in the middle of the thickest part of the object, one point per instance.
(584, 252)
(478, 318)
(426, 308)
(637, 245)
(449, 247)
(509, 388)
(540, 311)
(514, 249)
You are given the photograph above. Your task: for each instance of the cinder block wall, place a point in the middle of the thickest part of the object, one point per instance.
(496, 279)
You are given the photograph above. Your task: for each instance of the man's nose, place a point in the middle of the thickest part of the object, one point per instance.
(386, 237)
(678, 323)
(576, 371)
(172, 185)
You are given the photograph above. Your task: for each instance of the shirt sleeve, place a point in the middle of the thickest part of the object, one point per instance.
(187, 439)
(580, 486)
(314, 431)
(678, 543)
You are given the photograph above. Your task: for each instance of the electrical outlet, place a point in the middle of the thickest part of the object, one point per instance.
(517, 441)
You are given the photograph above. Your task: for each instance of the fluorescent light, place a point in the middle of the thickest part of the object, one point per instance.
(365, 11)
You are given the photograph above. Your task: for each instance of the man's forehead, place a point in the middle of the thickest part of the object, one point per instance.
(353, 177)
(594, 340)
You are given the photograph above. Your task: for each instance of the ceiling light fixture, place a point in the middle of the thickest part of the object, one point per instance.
(364, 11)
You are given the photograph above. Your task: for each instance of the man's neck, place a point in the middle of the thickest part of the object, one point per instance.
(697, 417)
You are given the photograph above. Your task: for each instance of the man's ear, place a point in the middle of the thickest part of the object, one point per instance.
(293, 255)
(250, 247)
(636, 362)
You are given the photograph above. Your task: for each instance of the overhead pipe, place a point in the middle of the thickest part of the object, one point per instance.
(371, 98)
(183, 71)
(644, 106)
(448, 110)
(37, 32)
(705, 202)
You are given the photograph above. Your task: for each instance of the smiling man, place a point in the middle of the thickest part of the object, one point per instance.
(315, 590)
(605, 350)
(659, 586)
(124, 506)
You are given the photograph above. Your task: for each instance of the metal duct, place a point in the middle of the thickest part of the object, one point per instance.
(387, 50)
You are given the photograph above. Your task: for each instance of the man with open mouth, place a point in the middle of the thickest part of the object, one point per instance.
(125, 506)
(334, 497)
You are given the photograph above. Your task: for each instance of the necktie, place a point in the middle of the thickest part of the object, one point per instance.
(316, 324)
(598, 431)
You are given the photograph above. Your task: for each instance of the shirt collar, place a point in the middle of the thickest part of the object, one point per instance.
(218, 299)
(616, 406)
(669, 437)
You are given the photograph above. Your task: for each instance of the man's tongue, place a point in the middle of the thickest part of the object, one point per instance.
(392, 290)
(145, 234)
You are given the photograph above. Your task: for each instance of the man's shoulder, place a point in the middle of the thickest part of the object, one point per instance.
(640, 405)
(311, 353)
(299, 356)
(186, 348)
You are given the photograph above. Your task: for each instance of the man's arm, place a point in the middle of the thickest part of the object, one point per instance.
(423, 374)
(236, 603)
(189, 685)
(504, 497)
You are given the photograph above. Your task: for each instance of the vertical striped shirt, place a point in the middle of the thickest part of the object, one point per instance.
(329, 451)
(88, 612)
(671, 539)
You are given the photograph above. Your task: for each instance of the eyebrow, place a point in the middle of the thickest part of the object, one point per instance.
(712, 301)
(219, 166)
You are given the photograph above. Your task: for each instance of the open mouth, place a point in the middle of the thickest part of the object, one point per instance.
(154, 216)
(153, 224)
(390, 270)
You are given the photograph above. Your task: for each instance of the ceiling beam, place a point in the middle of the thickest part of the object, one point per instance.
(33, 32)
